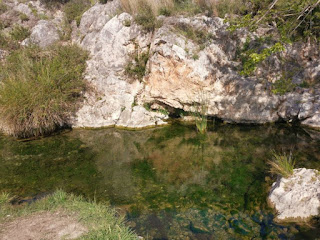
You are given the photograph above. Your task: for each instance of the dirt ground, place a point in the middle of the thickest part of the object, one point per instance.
(42, 226)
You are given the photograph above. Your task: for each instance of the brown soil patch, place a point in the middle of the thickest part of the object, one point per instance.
(42, 226)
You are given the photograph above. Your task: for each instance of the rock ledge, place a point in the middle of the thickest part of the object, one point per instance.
(297, 197)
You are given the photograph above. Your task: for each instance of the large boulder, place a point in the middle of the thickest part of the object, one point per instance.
(44, 34)
(298, 197)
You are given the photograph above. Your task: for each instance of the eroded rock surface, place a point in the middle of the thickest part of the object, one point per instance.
(179, 79)
(183, 72)
(297, 197)
(111, 44)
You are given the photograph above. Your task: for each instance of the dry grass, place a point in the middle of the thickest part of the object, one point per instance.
(211, 7)
(134, 6)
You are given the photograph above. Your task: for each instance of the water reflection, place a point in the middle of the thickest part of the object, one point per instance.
(172, 182)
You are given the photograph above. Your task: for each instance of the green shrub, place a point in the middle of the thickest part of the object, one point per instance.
(24, 17)
(75, 8)
(137, 67)
(145, 17)
(40, 89)
(252, 57)
(283, 85)
(19, 33)
(282, 164)
(7, 43)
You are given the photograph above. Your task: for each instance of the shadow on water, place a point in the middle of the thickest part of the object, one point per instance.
(171, 182)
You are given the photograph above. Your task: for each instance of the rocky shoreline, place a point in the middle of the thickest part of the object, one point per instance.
(180, 73)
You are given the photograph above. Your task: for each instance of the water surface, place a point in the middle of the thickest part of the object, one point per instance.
(171, 182)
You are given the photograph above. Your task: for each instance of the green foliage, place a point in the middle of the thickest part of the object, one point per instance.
(147, 106)
(24, 17)
(195, 56)
(294, 20)
(99, 218)
(165, 11)
(282, 164)
(163, 111)
(201, 123)
(200, 37)
(75, 8)
(136, 68)
(103, 1)
(251, 58)
(7, 43)
(240, 22)
(4, 198)
(283, 85)
(145, 17)
(127, 23)
(40, 88)
(200, 115)
(19, 33)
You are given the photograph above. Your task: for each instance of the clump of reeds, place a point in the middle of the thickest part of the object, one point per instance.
(282, 164)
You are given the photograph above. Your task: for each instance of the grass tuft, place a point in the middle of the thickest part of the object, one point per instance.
(40, 88)
(282, 164)
(200, 114)
(100, 219)
(4, 198)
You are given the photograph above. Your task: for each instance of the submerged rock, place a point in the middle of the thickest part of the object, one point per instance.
(297, 197)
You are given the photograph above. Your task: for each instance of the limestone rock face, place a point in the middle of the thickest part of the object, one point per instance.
(111, 43)
(179, 79)
(297, 197)
(183, 72)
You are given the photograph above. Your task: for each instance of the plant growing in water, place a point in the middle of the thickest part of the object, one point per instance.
(200, 115)
(282, 164)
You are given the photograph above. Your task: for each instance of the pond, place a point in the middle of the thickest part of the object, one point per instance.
(170, 182)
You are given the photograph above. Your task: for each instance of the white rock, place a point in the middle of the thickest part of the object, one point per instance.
(180, 74)
(297, 197)
(45, 33)
(110, 43)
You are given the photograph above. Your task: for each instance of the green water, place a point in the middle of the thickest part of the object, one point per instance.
(170, 182)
